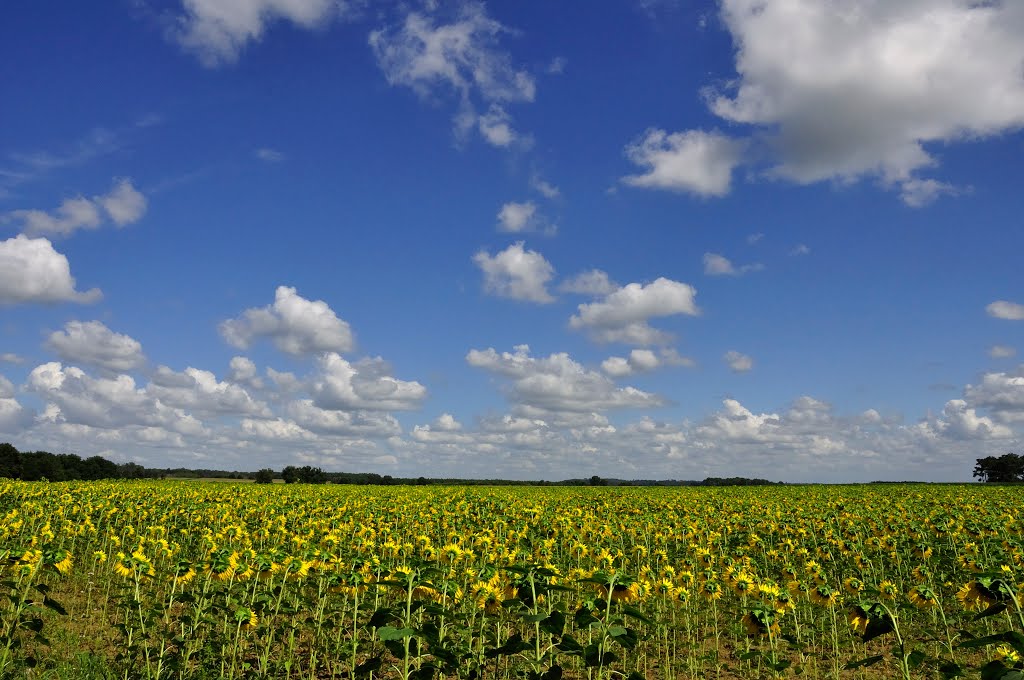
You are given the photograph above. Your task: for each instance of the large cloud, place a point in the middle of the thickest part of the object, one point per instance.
(557, 383)
(374, 424)
(857, 88)
(217, 30)
(1001, 393)
(93, 344)
(960, 421)
(74, 397)
(32, 271)
(462, 56)
(365, 385)
(623, 314)
(200, 392)
(516, 273)
(296, 325)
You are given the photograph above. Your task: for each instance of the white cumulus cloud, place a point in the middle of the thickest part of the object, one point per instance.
(557, 383)
(622, 315)
(695, 162)
(517, 217)
(364, 385)
(1002, 393)
(76, 398)
(93, 344)
(859, 89)
(32, 271)
(516, 273)
(641, 360)
(199, 391)
(296, 326)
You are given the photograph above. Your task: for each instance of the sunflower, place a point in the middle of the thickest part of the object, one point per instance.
(1007, 653)
(922, 597)
(888, 590)
(853, 585)
(858, 619)
(123, 566)
(65, 563)
(823, 596)
(752, 625)
(743, 584)
(973, 595)
(711, 590)
(922, 574)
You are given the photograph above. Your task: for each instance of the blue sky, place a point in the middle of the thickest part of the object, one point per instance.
(652, 240)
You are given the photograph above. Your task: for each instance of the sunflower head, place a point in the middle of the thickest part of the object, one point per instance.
(858, 620)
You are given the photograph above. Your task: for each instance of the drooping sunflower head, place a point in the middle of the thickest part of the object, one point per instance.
(711, 590)
(922, 597)
(888, 590)
(823, 595)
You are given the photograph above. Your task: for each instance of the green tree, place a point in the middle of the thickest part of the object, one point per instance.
(10, 461)
(264, 476)
(1005, 468)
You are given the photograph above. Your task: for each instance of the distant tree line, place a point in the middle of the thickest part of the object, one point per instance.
(314, 475)
(34, 466)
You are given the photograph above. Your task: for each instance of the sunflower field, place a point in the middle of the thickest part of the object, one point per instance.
(198, 580)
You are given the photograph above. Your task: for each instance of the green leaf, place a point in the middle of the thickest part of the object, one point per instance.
(569, 645)
(513, 645)
(915, 658)
(554, 624)
(864, 663)
(368, 666)
(1011, 637)
(35, 625)
(425, 672)
(380, 617)
(992, 610)
(994, 670)
(583, 618)
(55, 606)
(553, 673)
(951, 670)
(634, 613)
(877, 628)
(390, 633)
